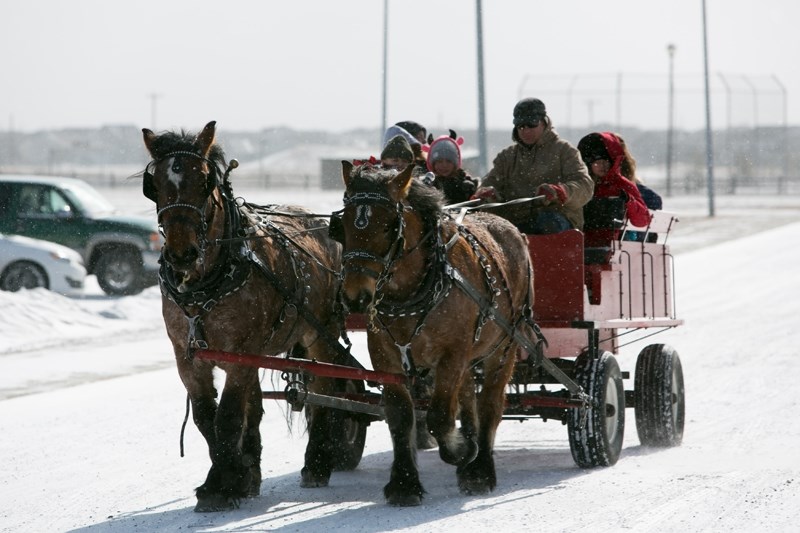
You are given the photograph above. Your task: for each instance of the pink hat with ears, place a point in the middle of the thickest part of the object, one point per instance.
(446, 147)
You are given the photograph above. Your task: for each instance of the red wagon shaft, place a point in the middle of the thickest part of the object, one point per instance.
(315, 368)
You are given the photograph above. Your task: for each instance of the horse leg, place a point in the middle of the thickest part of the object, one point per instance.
(198, 379)
(479, 476)
(318, 463)
(404, 488)
(467, 407)
(456, 447)
(421, 390)
(229, 478)
(251, 440)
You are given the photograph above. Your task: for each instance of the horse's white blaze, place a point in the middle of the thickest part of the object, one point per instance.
(174, 177)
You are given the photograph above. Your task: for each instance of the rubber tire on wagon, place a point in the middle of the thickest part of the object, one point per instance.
(348, 432)
(595, 437)
(659, 396)
(119, 271)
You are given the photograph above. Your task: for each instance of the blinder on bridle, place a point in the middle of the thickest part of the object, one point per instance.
(149, 189)
(336, 227)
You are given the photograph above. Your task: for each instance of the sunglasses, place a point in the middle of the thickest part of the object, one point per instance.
(531, 124)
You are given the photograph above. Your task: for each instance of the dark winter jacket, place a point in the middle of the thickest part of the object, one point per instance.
(651, 198)
(519, 170)
(457, 188)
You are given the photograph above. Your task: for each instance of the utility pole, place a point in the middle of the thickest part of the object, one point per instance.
(671, 117)
(482, 145)
(153, 100)
(709, 140)
(385, 68)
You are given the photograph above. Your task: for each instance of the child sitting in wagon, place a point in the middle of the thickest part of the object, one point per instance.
(444, 161)
(604, 155)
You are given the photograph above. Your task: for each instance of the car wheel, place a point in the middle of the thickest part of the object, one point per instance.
(23, 275)
(119, 272)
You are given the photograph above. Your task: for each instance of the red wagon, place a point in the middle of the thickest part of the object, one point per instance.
(594, 290)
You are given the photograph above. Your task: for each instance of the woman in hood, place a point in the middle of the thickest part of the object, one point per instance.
(605, 155)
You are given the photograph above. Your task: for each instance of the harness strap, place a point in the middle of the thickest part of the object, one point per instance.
(345, 357)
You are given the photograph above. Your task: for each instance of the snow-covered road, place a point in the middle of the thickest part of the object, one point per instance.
(91, 407)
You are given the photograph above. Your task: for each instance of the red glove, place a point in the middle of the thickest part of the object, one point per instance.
(553, 192)
(484, 193)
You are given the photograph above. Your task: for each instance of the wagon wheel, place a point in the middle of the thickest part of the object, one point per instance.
(659, 395)
(348, 432)
(595, 436)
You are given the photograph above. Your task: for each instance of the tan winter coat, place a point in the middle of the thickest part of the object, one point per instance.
(518, 171)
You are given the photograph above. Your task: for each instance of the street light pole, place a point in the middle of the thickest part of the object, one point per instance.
(482, 145)
(153, 98)
(385, 55)
(671, 116)
(709, 143)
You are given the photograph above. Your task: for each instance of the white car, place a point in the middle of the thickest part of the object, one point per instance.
(27, 263)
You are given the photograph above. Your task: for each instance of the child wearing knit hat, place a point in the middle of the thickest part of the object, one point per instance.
(444, 160)
(397, 153)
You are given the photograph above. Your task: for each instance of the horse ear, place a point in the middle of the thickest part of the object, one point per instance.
(400, 184)
(205, 139)
(149, 139)
(347, 169)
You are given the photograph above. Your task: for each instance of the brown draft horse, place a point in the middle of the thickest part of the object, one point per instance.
(242, 278)
(434, 290)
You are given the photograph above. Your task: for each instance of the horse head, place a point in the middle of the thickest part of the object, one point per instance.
(381, 225)
(183, 180)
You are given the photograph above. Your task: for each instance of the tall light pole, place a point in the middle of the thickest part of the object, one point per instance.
(153, 98)
(671, 116)
(709, 143)
(482, 147)
(385, 69)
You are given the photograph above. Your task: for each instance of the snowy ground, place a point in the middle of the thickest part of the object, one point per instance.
(91, 406)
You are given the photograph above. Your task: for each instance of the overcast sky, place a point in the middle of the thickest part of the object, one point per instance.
(317, 64)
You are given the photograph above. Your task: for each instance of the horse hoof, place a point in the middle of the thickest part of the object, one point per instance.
(310, 481)
(404, 500)
(255, 483)
(425, 441)
(459, 452)
(474, 487)
(215, 503)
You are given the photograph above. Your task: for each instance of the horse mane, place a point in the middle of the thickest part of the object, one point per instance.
(427, 201)
(171, 141)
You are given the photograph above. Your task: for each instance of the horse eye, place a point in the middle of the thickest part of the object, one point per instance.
(177, 167)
